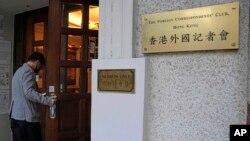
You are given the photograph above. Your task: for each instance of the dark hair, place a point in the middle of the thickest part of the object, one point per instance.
(37, 56)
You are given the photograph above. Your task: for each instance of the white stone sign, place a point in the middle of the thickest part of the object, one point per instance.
(117, 116)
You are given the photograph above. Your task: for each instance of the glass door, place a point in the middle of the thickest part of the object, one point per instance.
(77, 46)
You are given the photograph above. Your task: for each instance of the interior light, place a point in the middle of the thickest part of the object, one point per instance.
(75, 19)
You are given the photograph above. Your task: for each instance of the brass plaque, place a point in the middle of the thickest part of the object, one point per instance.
(119, 80)
(206, 28)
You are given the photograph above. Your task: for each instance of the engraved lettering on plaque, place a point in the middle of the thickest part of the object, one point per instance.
(119, 80)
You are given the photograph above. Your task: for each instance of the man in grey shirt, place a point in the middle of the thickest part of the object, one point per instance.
(24, 113)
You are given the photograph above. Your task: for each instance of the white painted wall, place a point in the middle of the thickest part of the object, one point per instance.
(119, 116)
(116, 29)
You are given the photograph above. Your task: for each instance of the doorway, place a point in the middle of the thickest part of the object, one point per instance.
(66, 33)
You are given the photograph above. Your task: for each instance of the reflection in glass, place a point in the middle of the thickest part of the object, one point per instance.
(71, 47)
(40, 75)
(72, 15)
(93, 17)
(70, 80)
(39, 31)
(39, 80)
(93, 48)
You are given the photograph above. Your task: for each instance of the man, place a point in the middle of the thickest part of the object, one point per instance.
(24, 114)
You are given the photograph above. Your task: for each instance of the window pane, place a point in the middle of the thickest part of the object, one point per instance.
(38, 49)
(71, 47)
(40, 76)
(93, 48)
(70, 80)
(93, 17)
(39, 31)
(72, 15)
(39, 79)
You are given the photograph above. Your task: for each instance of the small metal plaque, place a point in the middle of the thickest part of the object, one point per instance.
(119, 80)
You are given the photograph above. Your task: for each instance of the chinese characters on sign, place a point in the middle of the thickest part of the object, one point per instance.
(197, 37)
(206, 28)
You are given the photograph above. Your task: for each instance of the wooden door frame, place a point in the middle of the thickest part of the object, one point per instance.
(51, 133)
(54, 41)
